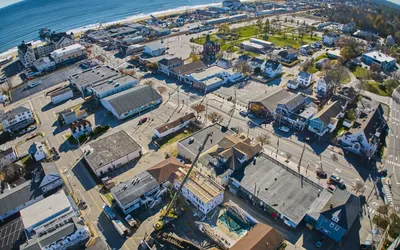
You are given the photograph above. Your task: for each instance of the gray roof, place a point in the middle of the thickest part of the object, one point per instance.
(329, 111)
(110, 148)
(13, 112)
(369, 123)
(127, 192)
(60, 92)
(189, 68)
(273, 98)
(293, 101)
(169, 61)
(8, 151)
(132, 99)
(110, 83)
(50, 168)
(92, 76)
(273, 64)
(218, 134)
(345, 206)
(304, 74)
(17, 196)
(279, 186)
(155, 46)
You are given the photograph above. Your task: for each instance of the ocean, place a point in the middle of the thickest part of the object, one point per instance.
(20, 20)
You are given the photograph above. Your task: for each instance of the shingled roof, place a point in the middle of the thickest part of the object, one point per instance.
(163, 170)
(328, 112)
(261, 237)
(274, 98)
(175, 123)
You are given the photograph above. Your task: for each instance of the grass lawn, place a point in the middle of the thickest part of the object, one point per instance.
(360, 72)
(109, 197)
(376, 88)
(25, 160)
(323, 56)
(312, 70)
(177, 137)
(347, 79)
(295, 42)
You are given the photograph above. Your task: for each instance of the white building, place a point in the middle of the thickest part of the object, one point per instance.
(304, 79)
(330, 38)
(7, 157)
(61, 95)
(79, 128)
(200, 190)
(272, 68)
(112, 86)
(38, 151)
(265, 44)
(154, 49)
(68, 53)
(17, 118)
(51, 177)
(292, 84)
(26, 54)
(232, 4)
(174, 126)
(324, 86)
(110, 152)
(166, 65)
(44, 64)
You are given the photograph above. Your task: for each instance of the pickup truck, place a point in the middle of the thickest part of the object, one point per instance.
(131, 221)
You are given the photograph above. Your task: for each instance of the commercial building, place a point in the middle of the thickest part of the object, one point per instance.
(267, 106)
(44, 64)
(69, 116)
(386, 62)
(132, 101)
(68, 54)
(54, 41)
(252, 47)
(183, 71)
(133, 30)
(232, 4)
(276, 189)
(200, 190)
(174, 126)
(79, 128)
(226, 19)
(154, 49)
(127, 50)
(166, 65)
(61, 95)
(290, 111)
(260, 237)
(7, 157)
(110, 152)
(52, 223)
(112, 86)
(17, 118)
(26, 54)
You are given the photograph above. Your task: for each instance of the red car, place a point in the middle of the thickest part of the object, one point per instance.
(142, 120)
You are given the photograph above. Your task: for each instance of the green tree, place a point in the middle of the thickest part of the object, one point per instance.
(224, 29)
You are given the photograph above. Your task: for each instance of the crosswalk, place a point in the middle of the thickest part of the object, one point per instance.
(371, 210)
(393, 163)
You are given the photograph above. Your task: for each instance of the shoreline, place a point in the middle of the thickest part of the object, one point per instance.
(130, 19)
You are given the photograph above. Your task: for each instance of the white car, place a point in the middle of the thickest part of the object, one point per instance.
(34, 84)
(284, 129)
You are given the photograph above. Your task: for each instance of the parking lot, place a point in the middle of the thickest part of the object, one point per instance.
(12, 234)
(47, 81)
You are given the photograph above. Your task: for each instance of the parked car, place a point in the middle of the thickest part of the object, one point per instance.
(22, 132)
(322, 174)
(235, 129)
(251, 116)
(336, 180)
(142, 120)
(243, 113)
(284, 129)
(31, 128)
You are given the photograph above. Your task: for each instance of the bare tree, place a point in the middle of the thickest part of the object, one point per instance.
(161, 89)
(199, 108)
(308, 63)
(243, 68)
(148, 83)
(215, 117)
(358, 186)
(264, 139)
(337, 74)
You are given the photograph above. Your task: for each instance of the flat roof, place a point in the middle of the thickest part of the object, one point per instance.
(217, 134)
(378, 56)
(279, 186)
(213, 70)
(60, 91)
(44, 209)
(93, 76)
(212, 80)
(110, 148)
(111, 83)
(251, 44)
(130, 190)
(68, 49)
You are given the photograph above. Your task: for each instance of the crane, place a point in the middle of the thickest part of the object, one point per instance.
(170, 213)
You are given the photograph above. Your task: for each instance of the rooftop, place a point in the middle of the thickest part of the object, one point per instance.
(13, 112)
(155, 46)
(60, 91)
(110, 148)
(92, 76)
(252, 44)
(211, 81)
(279, 186)
(369, 122)
(163, 170)
(274, 97)
(113, 82)
(68, 49)
(76, 125)
(133, 98)
(208, 72)
(329, 111)
(40, 211)
(189, 68)
(175, 123)
(380, 57)
(261, 237)
(130, 190)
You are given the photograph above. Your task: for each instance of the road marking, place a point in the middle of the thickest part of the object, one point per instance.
(338, 170)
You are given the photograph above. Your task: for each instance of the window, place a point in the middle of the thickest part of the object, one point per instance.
(331, 225)
(337, 228)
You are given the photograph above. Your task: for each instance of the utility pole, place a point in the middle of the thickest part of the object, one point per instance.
(277, 147)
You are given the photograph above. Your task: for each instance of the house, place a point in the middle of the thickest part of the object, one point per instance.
(288, 55)
(322, 63)
(292, 84)
(272, 68)
(260, 237)
(336, 215)
(255, 63)
(230, 154)
(304, 79)
(17, 119)
(210, 50)
(304, 49)
(349, 27)
(53, 223)
(26, 54)
(147, 187)
(326, 119)
(51, 177)
(174, 126)
(333, 54)
(7, 157)
(111, 152)
(61, 95)
(79, 128)
(154, 49)
(166, 65)
(12, 200)
(290, 111)
(69, 116)
(224, 63)
(386, 62)
(44, 64)
(132, 101)
(276, 189)
(38, 151)
(368, 35)
(364, 137)
(69, 54)
(232, 4)
(267, 106)
(324, 87)
(330, 39)
(390, 41)
(60, 39)
(200, 190)
(185, 70)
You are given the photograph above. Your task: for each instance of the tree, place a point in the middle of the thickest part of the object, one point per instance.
(199, 108)
(264, 139)
(215, 117)
(148, 83)
(152, 66)
(259, 26)
(242, 67)
(308, 63)
(267, 27)
(358, 186)
(224, 29)
(376, 68)
(161, 89)
(337, 74)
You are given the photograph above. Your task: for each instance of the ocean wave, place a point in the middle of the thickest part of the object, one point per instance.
(5, 3)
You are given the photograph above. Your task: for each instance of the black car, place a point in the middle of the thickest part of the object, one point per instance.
(322, 174)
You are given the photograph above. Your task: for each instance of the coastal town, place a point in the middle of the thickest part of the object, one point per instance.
(245, 125)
